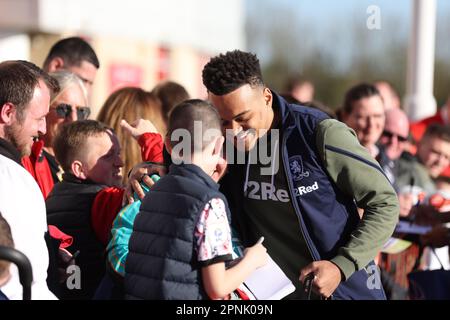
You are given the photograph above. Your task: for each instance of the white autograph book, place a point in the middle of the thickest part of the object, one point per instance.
(268, 283)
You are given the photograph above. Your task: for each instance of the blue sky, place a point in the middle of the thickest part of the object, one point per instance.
(330, 25)
(322, 9)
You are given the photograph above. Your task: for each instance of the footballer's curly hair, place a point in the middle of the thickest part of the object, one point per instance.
(227, 72)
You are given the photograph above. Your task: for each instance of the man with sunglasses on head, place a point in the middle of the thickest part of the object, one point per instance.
(68, 105)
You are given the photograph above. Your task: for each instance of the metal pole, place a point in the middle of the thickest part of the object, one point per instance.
(419, 101)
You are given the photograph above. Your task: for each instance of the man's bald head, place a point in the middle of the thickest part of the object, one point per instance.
(389, 95)
(397, 122)
(395, 134)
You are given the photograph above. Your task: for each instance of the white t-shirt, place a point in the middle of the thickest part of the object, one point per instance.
(23, 206)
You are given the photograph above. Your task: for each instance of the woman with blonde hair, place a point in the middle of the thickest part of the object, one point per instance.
(131, 104)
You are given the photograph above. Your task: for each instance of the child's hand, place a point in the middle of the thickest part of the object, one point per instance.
(257, 255)
(138, 127)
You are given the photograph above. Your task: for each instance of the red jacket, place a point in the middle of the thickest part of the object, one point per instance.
(37, 165)
(418, 128)
(151, 147)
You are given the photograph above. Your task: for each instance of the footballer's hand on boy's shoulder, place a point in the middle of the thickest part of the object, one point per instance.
(141, 173)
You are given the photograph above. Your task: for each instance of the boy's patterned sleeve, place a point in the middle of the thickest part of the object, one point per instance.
(213, 234)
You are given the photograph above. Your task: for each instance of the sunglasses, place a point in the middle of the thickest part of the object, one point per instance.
(64, 110)
(390, 135)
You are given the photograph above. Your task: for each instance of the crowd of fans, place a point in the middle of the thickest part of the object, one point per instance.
(81, 197)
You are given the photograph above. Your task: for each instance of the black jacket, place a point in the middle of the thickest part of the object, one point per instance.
(162, 259)
(69, 208)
